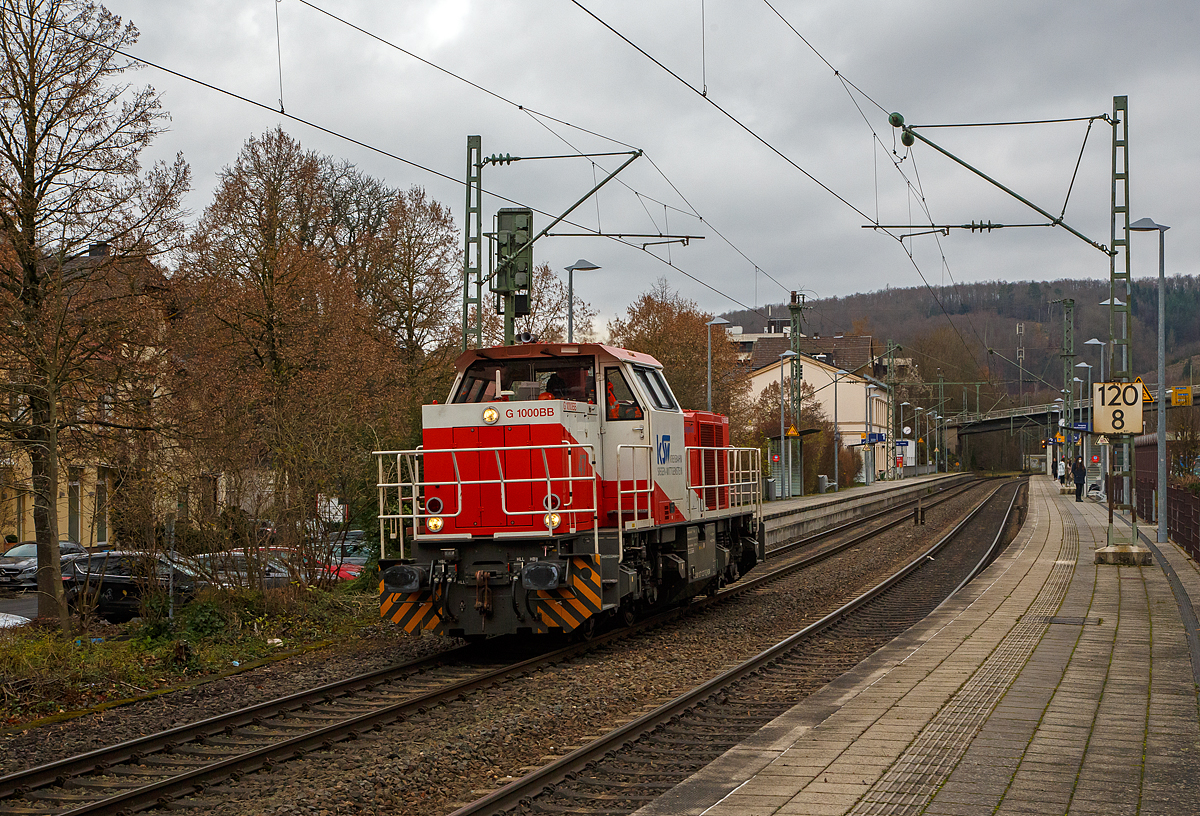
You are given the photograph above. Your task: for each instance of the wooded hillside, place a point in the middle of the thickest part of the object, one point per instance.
(985, 315)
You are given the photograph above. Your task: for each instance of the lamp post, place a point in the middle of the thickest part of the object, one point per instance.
(783, 358)
(918, 410)
(904, 456)
(1103, 448)
(937, 442)
(582, 266)
(869, 446)
(1058, 425)
(1148, 225)
(837, 436)
(716, 321)
(1087, 449)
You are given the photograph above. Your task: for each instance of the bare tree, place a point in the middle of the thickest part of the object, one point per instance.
(71, 135)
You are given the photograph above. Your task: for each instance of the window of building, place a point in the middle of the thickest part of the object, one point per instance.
(73, 504)
(101, 510)
(208, 496)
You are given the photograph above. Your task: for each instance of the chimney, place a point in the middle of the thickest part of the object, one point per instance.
(98, 249)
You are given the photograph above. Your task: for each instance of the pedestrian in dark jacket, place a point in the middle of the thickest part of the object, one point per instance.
(1079, 472)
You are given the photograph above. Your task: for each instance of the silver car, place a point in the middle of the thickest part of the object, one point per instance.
(19, 564)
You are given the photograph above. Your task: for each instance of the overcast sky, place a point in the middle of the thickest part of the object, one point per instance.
(935, 62)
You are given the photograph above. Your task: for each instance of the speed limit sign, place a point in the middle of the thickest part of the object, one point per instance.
(1117, 408)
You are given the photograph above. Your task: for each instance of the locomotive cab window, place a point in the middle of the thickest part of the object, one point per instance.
(540, 379)
(619, 401)
(656, 387)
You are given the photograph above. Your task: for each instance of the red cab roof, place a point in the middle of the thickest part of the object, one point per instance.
(549, 350)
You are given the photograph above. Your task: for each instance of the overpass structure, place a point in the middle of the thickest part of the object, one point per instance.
(1031, 416)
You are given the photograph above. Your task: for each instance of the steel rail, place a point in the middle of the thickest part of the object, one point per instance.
(163, 790)
(511, 795)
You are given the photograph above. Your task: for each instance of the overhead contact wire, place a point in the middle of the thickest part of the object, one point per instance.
(370, 147)
(538, 115)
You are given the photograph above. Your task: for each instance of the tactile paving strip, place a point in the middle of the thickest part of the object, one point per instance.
(913, 779)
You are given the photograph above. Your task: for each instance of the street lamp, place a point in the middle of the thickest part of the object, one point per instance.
(868, 445)
(904, 456)
(1148, 225)
(937, 444)
(1059, 407)
(1104, 448)
(786, 356)
(716, 321)
(1089, 415)
(837, 436)
(582, 266)
(917, 442)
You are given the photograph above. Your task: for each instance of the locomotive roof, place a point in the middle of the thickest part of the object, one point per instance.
(544, 350)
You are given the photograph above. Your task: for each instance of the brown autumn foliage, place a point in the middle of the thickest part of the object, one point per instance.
(673, 330)
(285, 375)
(70, 175)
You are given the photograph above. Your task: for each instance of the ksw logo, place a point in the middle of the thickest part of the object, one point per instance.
(664, 449)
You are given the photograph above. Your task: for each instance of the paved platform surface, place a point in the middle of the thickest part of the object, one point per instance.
(780, 506)
(1049, 685)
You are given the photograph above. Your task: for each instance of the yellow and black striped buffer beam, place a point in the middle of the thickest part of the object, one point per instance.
(412, 612)
(568, 607)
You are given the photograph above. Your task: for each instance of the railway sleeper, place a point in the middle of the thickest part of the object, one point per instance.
(599, 782)
(545, 807)
(93, 783)
(563, 792)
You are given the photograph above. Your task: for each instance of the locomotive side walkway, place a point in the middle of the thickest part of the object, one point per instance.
(1049, 685)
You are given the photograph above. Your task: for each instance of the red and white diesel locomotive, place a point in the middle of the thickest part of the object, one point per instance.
(561, 486)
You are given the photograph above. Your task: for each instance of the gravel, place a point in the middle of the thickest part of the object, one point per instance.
(454, 753)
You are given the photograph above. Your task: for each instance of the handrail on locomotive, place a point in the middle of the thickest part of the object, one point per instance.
(742, 487)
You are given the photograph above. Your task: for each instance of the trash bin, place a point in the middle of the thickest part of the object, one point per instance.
(769, 490)
(822, 484)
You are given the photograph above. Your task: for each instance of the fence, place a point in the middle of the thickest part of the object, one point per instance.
(1183, 514)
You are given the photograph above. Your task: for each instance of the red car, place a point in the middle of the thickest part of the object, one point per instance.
(310, 567)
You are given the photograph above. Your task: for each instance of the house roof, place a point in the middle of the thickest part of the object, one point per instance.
(852, 352)
(767, 350)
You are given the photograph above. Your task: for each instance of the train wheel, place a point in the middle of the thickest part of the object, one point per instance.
(587, 630)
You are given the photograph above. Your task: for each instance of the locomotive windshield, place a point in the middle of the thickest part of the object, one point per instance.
(548, 378)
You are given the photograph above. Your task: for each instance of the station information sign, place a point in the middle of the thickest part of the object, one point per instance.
(1117, 407)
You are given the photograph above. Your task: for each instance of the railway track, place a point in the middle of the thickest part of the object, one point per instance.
(633, 765)
(158, 769)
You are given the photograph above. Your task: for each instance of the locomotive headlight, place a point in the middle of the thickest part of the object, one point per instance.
(434, 524)
(490, 415)
(552, 520)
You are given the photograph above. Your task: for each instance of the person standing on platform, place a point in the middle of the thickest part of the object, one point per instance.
(1062, 471)
(1079, 473)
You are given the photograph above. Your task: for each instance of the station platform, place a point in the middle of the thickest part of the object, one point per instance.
(785, 520)
(1049, 685)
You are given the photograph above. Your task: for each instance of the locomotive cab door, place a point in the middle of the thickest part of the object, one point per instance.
(643, 468)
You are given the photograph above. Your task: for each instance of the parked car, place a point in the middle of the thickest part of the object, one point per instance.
(350, 547)
(19, 564)
(114, 583)
(310, 567)
(240, 569)
(7, 620)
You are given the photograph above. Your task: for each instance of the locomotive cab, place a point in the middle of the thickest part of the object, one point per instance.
(562, 484)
